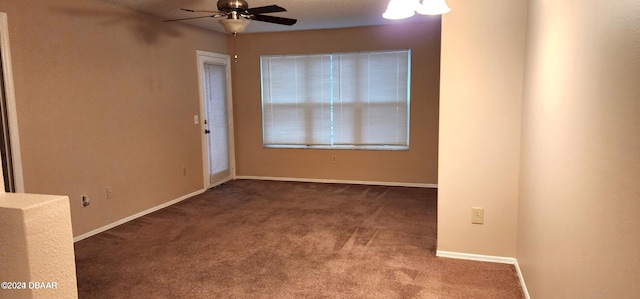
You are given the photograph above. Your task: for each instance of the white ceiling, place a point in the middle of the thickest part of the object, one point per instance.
(311, 14)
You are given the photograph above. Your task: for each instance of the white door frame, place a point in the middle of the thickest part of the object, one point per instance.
(218, 59)
(16, 157)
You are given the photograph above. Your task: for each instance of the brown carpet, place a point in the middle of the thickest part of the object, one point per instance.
(260, 239)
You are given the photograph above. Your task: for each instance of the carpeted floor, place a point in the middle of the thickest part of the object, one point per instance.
(260, 239)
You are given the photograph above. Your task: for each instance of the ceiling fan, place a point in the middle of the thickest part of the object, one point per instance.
(238, 14)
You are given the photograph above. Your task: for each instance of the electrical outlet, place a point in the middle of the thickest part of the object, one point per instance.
(334, 159)
(85, 201)
(477, 215)
(184, 170)
(109, 192)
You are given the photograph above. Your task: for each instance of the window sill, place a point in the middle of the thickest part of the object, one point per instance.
(341, 147)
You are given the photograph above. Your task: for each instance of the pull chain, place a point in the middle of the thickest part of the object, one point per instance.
(235, 47)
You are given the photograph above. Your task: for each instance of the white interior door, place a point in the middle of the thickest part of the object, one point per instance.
(216, 114)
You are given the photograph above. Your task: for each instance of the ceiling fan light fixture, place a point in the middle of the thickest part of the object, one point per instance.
(433, 7)
(234, 25)
(400, 9)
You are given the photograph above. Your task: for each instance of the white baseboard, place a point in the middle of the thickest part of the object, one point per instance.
(476, 257)
(487, 258)
(308, 180)
(522, 284)
(138, 215)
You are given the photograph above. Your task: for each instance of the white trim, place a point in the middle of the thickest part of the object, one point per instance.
(476, 257)
(137, 215)
(522, 284)
(218, 59)
(308, 180)
(487, 258)
(12, 113)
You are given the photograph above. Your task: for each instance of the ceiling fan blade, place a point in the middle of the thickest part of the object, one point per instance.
(194, 10)
(265, 9)
(200, 17)
(272, 19)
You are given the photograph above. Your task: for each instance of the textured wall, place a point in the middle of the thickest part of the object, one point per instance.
(106, 97)
(580, 192)
(36, 246)
(417, 165)
(483, 48)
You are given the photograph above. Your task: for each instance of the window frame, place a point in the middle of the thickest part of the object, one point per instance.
(332, 145)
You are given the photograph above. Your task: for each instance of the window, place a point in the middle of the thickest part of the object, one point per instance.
(341, 100)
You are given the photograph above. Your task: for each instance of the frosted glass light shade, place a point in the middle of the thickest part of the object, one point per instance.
(433, 7)
(234, 25)
(400, 9)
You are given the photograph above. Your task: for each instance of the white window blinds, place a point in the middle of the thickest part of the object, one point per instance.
(345, 100)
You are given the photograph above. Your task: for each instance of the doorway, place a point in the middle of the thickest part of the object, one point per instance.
(216, 118)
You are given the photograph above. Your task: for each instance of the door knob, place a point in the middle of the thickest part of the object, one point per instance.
(207, 131)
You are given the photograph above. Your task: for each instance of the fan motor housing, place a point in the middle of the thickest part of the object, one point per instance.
(232, 5)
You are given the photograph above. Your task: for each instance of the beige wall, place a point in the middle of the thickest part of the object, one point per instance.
(566, 173)
(483, 48)
(580, 192)
(418, 165)
(106, 97)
